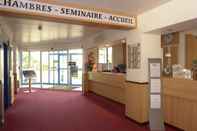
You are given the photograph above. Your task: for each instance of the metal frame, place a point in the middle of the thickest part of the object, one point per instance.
(156, 120)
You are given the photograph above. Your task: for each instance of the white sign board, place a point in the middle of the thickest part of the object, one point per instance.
(155, 101)
(69, 13)
(155, 85)
(155, 70)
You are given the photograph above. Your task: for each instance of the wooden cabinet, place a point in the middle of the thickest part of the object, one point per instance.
(136, 100)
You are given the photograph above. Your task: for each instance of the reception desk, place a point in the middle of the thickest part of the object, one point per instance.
(179, 102)
(110, 85)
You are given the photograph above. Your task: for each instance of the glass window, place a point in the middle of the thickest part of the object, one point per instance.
(105, 58)
(78, 59)
(45, 67)
(102, 55)
(109, 51)
(25, 60)
(63, 61)
(35, 65)
(63, 76)
(77, 80)
(25, 65)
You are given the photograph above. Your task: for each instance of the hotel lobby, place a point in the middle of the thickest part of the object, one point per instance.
(98, 65)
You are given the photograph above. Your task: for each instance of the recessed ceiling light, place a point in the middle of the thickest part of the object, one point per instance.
(40, 27)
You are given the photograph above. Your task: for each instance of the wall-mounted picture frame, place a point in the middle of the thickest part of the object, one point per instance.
(134, 56)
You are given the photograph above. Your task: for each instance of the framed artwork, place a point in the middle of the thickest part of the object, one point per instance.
(134, 56)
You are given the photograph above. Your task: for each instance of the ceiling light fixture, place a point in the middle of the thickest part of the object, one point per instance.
(40, 27)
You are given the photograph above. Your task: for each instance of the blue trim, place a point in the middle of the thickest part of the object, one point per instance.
(7, 87)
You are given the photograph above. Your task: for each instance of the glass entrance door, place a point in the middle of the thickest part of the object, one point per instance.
(63, 69)
(53, 68)
(75, 55)
(77, 80)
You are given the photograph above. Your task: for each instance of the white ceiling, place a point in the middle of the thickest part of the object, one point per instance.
(181, 27)
(133, 7)
(26, 31)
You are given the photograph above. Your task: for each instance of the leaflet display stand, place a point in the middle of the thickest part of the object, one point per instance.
(29, 74)
(155, 90)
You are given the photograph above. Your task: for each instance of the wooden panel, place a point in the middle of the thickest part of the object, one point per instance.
(111, 92)
(136, 99)
(171, 48)
(110, 79)
(180, 103)
(191, 50)
(109, 85)
(85, 83)
(186, 89)
(180, 100)
(174, 42)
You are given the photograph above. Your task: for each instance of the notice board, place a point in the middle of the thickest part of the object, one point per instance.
(156, 120)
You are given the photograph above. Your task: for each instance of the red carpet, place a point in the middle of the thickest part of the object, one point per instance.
(67, 111)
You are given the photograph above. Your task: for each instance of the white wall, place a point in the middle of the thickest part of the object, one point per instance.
(5, 32)
(173, 12)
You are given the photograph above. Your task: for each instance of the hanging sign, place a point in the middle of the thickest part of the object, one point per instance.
(67, 13)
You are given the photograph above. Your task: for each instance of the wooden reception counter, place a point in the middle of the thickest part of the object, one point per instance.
(110, 85)
(180, 103)
(180, 98)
